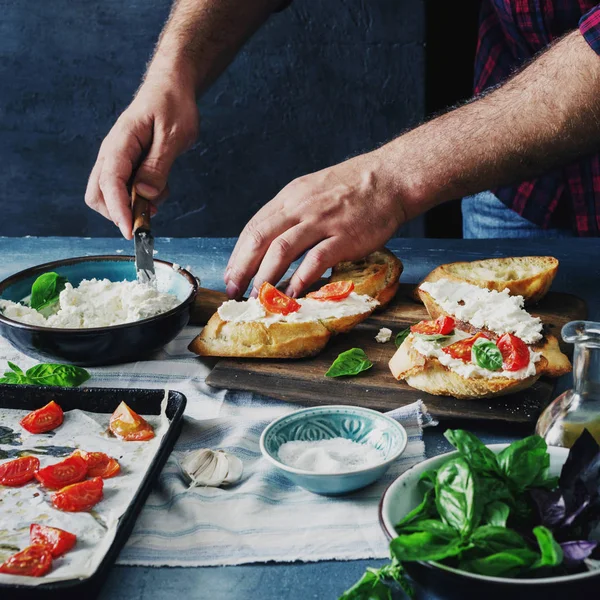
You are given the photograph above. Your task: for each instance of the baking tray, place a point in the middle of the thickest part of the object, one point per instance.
(98, 400)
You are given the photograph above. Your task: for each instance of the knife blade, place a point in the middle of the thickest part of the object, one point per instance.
(143, 241)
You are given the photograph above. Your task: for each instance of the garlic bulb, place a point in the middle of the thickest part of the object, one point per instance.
(211, 468)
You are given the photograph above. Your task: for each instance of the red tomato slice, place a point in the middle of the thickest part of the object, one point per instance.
(275, 301)
(68, 471)
(338, 290)
(127, 425)
(58, 541)
(443, 325)
(99, 464)
(33, 561)
(462, 348)
(43, 419)
(79, 497)
(515, 353)
(19, 471)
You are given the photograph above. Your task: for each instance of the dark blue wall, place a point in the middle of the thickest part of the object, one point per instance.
(323, 80)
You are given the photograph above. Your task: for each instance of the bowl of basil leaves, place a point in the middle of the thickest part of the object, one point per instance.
(506, 521)
(96, 346)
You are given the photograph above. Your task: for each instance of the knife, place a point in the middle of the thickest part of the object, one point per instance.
(143, 240)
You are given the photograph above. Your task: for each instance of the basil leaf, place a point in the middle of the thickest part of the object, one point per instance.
(373, 586)
(503, 564)
(401, 336)
(455, 495)
(525, 462)
(486, 355)
(426, 510)
(46, 289)
(15, 368)
(435, 544)
(551, 552)
(494, 539)
(11, 377)
(473, 450)
(496, 513)
(351, 362)
(56, 374)
(433, 337)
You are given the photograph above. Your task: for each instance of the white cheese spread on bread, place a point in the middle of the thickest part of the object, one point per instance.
(252, 310)
(498, 312)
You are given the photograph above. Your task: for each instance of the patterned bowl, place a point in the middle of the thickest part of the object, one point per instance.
(325, 422)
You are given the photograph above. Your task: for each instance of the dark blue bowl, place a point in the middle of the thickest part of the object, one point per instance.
(99, 345)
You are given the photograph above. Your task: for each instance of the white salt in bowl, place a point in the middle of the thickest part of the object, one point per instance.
(361, 425)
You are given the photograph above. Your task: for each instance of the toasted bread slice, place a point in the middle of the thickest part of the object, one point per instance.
(429, 375)
(557, 363)
(527, 276)
(377, 275)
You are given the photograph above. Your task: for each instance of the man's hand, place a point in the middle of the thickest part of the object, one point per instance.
(160, 123)
(340, 213)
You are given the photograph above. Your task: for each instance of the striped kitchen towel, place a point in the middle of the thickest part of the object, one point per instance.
(264, 517)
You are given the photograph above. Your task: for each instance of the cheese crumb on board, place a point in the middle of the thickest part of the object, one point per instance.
(384, 335)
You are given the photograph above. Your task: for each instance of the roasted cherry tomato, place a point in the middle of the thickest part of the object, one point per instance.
(58, 541)
(99, 464)
(43, 419)
(19, 471)
(515, 353)
(129, 426)
(33, 561)
(338, 290)
(462, 348)
(79, 497)
(68, 471)
(275, 301)
(441, 326)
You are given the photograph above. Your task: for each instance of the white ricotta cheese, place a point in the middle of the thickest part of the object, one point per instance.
(383, 335)
(252, 310)
(96, 303)
(496, 311)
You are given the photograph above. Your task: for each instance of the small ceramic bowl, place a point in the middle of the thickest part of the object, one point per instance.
(325, 422)
(403, 495)
(99, 345)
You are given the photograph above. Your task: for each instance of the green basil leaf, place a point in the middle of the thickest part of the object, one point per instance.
(15, 368)
(473, 450)
(551, 552)
(455, 492)
(427, 545)
(401, 336)
(351, 362)
(11, 377)
(503, 564)
(433, 337)
(496, 513)
(46, 289)
(525, 462)
(56, 374)
(486, 355)
(373, 586)
(494, 539)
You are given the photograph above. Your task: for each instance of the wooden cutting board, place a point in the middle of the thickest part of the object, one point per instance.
(303, 381)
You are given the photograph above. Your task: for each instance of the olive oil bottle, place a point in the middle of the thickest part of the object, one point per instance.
(577, 409)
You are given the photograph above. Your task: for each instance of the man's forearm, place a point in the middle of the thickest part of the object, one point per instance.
(545, 116)
(201, 37)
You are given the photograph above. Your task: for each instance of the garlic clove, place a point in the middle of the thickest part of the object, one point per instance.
(206, 467)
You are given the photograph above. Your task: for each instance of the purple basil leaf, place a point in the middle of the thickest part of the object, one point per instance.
(550, 505)
(570, 519)
(584, 451)
(577, 551)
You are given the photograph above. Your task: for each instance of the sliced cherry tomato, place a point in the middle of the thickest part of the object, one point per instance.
(462, 348)
(19, 471)
(275, 301)
(443, 325)
(58, 541)
(67, 471)
(33, 561)
(99, 464)
(338, 290)
(79, 497)
(43, 419)
(515, 353)
(129, 426)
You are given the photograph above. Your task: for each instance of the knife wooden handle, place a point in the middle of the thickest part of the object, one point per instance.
(141, 211)
(205, 305)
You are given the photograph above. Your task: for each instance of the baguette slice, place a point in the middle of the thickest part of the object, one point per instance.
(377, 275)
(556, 364)
(527, 276)
(429, 375)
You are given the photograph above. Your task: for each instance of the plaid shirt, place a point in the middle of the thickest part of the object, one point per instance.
(510, 33)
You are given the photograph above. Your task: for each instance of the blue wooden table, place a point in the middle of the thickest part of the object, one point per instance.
(579, 274)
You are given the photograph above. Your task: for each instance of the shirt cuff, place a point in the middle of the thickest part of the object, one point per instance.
(589, 25)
